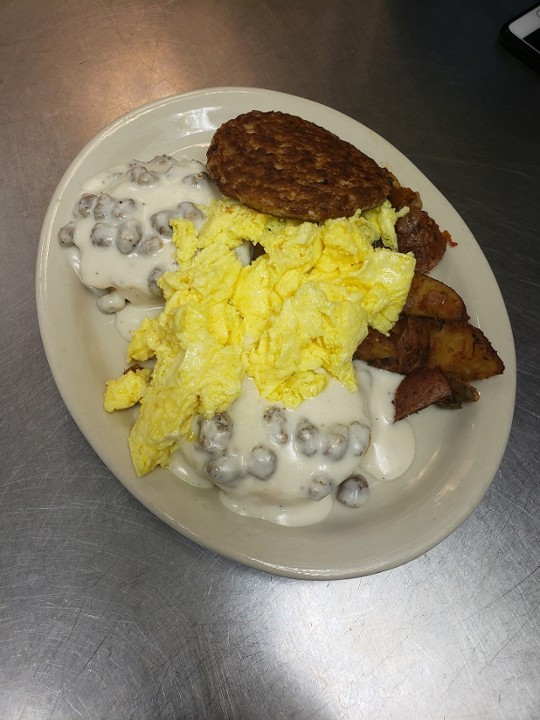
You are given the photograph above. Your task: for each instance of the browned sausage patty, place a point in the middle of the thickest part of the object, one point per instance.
(285, 166)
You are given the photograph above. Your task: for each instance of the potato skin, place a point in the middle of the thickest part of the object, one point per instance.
(405, 348)
(419, 389)
(432, 298)
(435, 347)
(418, 233)
(433, 344)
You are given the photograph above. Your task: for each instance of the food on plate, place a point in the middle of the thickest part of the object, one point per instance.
(401, 350)
(463, 350)
(289, 321)
(129, 388)
(416, 231)
(429, 297)
(285, 166)
(283, 464)
(294, 304)
(253, 386)
(422, 387)
(120, 236)
(435, 347)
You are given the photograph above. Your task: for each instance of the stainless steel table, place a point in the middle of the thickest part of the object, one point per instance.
(105, 612)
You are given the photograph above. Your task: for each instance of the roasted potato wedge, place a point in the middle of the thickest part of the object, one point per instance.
(405, 348)
(456, 348)
(432, 344)
(429, 297)
(418, 233)
(439, 359)
(431, 386)
(378, 350)
(419, 389)
(464, 351)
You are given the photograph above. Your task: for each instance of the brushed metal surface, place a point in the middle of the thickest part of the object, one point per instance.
(105, 612)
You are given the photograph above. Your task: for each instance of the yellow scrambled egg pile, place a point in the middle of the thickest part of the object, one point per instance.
(290, 320)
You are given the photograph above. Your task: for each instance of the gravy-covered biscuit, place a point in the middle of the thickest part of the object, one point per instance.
(285, 166)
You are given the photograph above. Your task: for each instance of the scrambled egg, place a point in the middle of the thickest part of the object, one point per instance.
(127, 390)
(290, 320)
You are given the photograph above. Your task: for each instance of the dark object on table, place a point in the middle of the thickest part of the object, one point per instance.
(521, 35)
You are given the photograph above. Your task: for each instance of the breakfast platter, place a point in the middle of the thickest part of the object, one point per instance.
(450, 471)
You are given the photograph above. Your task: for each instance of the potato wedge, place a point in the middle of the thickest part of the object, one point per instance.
(419, 389)
(405, 348)
(418, 233)
(378, 350)
(456, 348)
(464, 351)
(433, 345)
(429, 297)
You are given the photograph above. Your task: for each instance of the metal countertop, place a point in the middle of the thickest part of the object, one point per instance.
(106, 612)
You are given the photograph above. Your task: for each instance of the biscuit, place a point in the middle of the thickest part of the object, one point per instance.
(285, 166)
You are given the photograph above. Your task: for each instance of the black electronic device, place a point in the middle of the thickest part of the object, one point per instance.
(521, 35)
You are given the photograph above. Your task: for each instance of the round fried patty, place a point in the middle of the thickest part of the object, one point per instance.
(283, 165)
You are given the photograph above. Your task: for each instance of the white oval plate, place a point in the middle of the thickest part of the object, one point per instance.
(458, 453)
